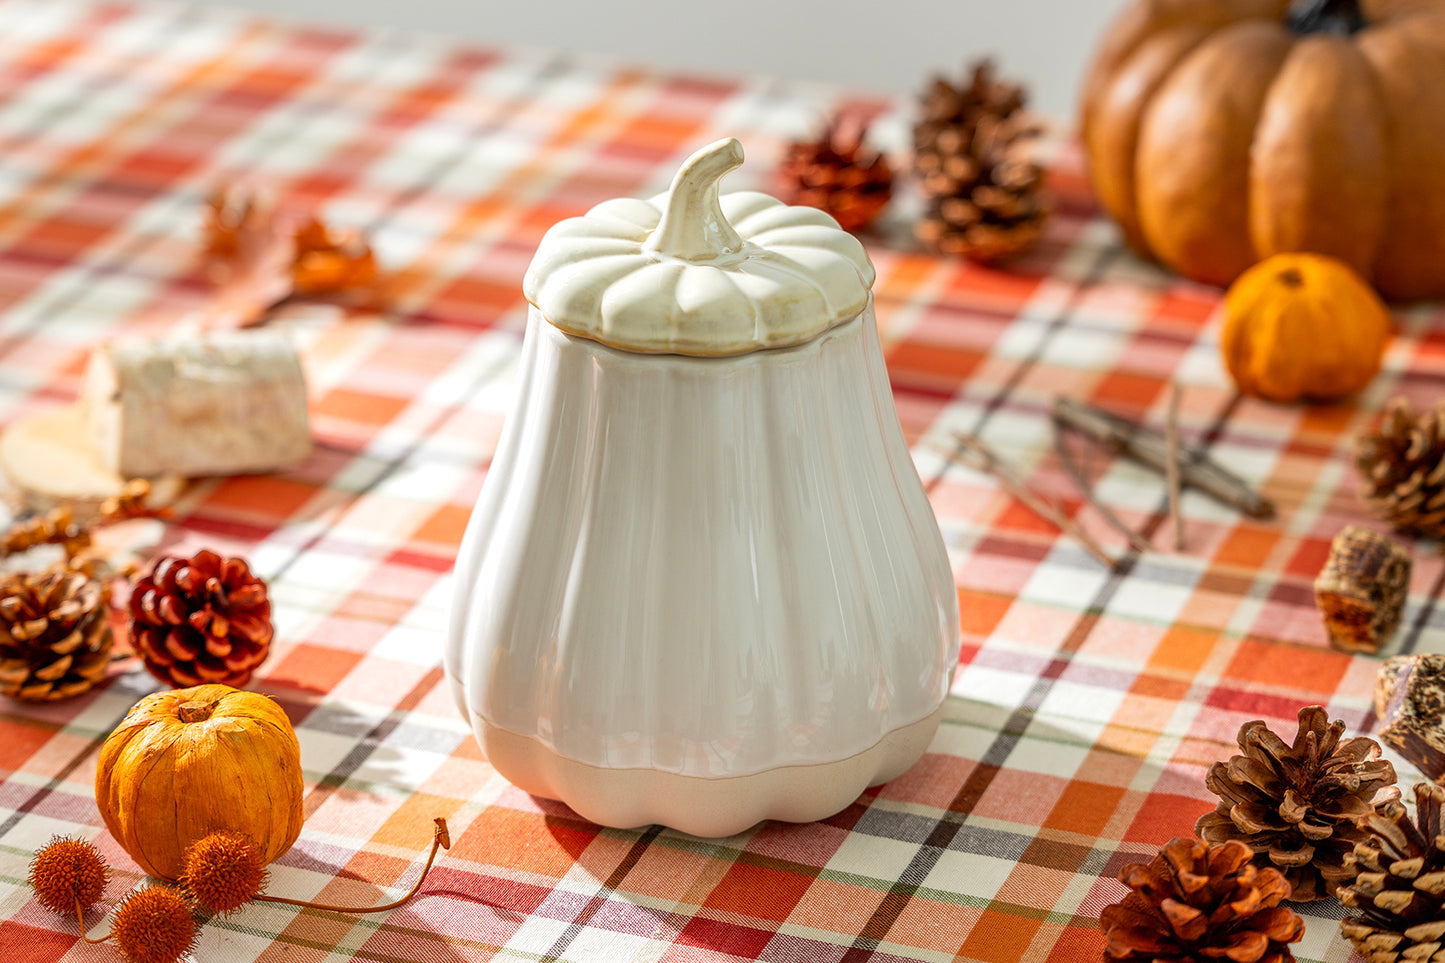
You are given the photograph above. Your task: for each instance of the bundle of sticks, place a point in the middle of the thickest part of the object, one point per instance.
(1182, 465)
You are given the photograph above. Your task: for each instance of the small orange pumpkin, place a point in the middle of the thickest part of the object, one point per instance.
(1302, 326)
(186, 763)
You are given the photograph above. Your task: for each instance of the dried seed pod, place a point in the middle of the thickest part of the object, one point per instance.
(224, 871)
(1361, 590)
(68, 875)
(153, 925)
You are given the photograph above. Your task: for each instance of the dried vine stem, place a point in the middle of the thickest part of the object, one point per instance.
(441, 839)
(80, 919)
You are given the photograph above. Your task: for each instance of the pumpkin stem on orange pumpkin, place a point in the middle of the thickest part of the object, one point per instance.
(194, 711)
(1342, 17)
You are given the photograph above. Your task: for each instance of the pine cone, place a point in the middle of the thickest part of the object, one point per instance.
(55, 639)
(201, 619)
(837, 175)
(972, 155)
(1295, 806)
(1399, 892)
(1197, 901)
(1403, 469)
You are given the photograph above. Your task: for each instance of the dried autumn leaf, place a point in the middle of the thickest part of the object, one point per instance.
(249, 248)
(331, 261)
(260, 255)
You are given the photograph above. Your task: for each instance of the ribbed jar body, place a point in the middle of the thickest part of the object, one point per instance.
(708, 568)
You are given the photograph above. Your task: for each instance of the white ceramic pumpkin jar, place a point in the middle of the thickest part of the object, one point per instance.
(702, 585)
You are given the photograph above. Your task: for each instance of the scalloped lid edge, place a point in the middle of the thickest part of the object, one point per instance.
(692, 272)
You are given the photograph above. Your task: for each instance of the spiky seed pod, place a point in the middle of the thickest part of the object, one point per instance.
(1402, 468)
(200, 620)
(837, 174)
(1296, 805)
(224, 872)
(1399, 890)
(68, 872)
(153, 925)
(1197, 901)
(55, 640)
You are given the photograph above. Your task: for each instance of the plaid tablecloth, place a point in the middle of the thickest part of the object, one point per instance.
(1088, 703)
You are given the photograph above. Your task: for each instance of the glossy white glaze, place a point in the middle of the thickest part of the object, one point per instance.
(628, 798)
(691, 273)
(702, 584)
(708, 567)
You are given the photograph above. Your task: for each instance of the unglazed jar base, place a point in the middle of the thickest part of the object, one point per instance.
(628, 798)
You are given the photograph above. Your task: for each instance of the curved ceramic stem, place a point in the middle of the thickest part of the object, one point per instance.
(693, 227)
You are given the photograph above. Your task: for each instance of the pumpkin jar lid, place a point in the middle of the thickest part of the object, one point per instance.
(689, 272)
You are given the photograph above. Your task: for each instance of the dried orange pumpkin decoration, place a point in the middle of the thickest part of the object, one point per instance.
(1302, 326)
(190, 762)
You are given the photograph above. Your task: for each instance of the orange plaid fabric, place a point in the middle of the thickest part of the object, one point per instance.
(1088, 703)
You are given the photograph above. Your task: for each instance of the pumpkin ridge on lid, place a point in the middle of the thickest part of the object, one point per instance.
(689, 272)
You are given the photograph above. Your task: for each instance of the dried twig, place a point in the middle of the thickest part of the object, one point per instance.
(1148, 447)
(1171, 466)
(983, 458)
(1080, 475)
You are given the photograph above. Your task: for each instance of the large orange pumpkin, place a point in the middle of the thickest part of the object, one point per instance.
(1219, 132)
(186, 763)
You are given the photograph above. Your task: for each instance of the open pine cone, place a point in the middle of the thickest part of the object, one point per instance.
(201, 619)
(1197, 901)
(55, 640)
(973, 157)
(1296, 805)
(837, 175)
(1399, 894)
(1402, 467)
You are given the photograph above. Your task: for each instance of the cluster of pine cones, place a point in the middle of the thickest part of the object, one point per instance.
(1317, 817)
(192, 620)
(973, 148)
